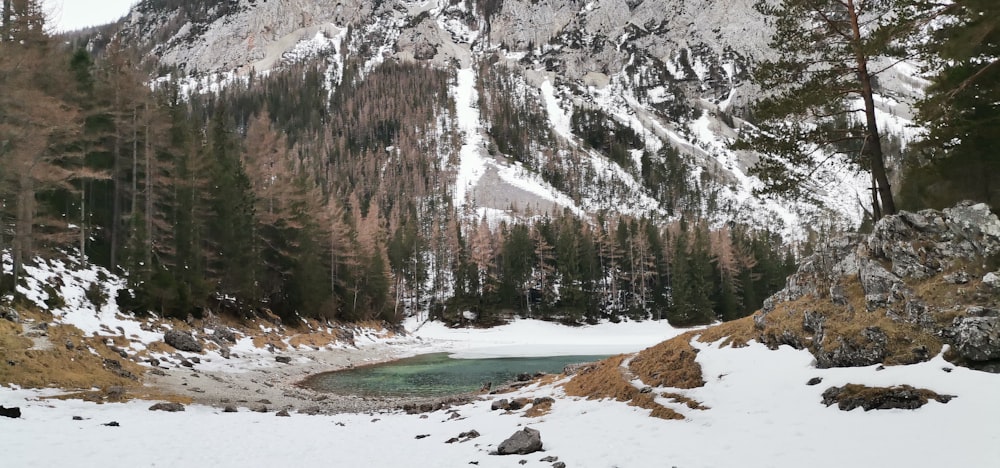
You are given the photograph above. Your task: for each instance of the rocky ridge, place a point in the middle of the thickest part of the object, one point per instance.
(919, 281)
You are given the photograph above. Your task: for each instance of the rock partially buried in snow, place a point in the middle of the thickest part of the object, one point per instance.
(169, 407)
(852, 396)
(182, 341)
(522, 442)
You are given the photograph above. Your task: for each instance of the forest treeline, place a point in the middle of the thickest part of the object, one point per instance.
(280, 193)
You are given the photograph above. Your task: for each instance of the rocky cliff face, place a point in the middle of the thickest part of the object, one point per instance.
(919, 281)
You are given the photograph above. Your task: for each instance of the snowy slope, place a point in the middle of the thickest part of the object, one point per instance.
(762, 414)
(675, 72)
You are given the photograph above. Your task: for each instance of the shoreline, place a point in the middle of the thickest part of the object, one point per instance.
(260, 383)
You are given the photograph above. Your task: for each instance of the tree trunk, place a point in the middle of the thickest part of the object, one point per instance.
(873, 145)
(149, 194)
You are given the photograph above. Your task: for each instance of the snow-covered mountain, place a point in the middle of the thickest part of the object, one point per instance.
(671, 77)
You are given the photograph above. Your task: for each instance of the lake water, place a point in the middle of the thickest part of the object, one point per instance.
(435, 375)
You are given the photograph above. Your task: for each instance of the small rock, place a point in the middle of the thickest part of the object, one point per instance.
(451, 440)
(111, 424)
(14, 412)
(522, 462)
(523, 377)
(422, 436)
(157, 372)
(195, 359)
(558, 465)
(186, 363)
(814, 381)
(224, 352)
(522, 442)
(260, 409)
(283, 413)
(283, 359)
(549, 459)
(229, 409)
(78, 418)
(153, 362)
(946, 369)
(992, 279)
(500, 404)
(264, 401)
(646, 390)
(115, 392)
(170, 407)
(69, 345)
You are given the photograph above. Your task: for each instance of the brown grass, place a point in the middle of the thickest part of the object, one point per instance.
(58, 366)
(669, 364)
(539, 410)
(736, 333)
(690, 403)
(604, 380)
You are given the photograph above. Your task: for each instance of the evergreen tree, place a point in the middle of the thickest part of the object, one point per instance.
(826, 50)
(962, 106)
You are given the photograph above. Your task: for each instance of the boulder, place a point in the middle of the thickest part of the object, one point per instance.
(169, 407)
(977, 338)
(283, 359)
(522, 442)
(182, 341)
(224, 334)
(501, 404)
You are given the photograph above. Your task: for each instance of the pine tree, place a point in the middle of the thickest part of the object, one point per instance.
(962, 105)
(826, 52)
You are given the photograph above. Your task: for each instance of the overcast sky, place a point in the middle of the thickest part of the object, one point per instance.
(68, 15)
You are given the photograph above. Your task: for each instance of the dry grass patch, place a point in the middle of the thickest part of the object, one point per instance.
(736, 333)
(313, 339)
(690, 403)
(263, 340)
(669, 364)
(604, 380)
(539, 409)
(59, 366)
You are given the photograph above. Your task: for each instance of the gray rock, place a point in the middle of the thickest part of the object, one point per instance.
(977, 338)
(229, 409)
(558, 465)
(865, 349)
(522, 442)
(501, 404)
(283, 359)
(8, 313)
(224, 334)
(992, 279)
(182, 341)
(815, 381)
(225, 353)
(169, 407)
(283, 413)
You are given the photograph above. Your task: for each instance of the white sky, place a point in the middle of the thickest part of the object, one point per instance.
(68, 15)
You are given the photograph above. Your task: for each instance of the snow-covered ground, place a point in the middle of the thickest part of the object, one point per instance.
(762, 414)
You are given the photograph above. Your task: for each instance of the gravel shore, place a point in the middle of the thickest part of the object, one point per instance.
(260, 383)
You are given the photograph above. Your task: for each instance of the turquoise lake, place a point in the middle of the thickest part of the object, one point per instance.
(435, 374)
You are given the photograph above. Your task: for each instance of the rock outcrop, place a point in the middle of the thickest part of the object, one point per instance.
(918, 281)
